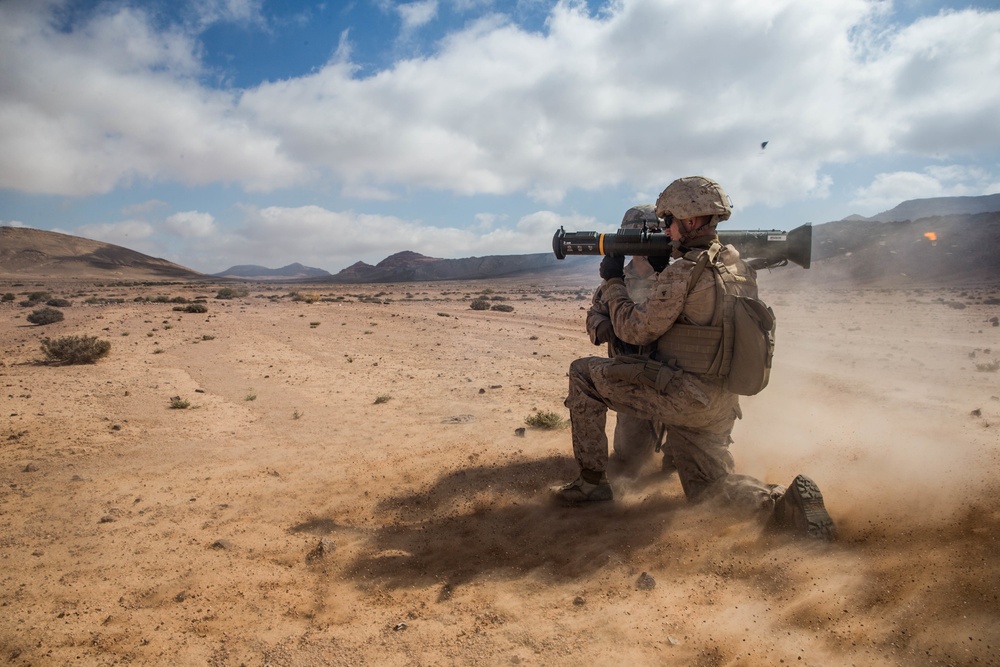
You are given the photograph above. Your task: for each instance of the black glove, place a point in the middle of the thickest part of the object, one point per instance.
(613, 267)
(659, 263)
(604, 332)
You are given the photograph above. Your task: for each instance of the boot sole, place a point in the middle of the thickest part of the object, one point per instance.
(810, 516)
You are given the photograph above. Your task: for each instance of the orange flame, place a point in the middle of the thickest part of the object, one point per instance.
(931, 235)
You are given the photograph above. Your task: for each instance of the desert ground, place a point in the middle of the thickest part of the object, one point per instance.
(337, 478)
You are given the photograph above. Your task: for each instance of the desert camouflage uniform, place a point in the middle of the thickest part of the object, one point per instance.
(635, 439)
(698, 412)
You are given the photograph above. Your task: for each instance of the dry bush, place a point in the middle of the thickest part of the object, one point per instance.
(479, 304)
(74, 349)
(45, 316)
(546, 420)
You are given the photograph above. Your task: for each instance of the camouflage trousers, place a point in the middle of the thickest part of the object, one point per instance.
(698, 414)
(636, 440)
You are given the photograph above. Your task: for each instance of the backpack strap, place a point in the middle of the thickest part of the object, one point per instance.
(704, 258)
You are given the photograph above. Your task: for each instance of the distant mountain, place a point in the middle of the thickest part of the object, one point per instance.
(409, 266)
(914, 209)
(31, 253)
(294, 271)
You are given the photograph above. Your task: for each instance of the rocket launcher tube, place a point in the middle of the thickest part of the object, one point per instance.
(762, 247)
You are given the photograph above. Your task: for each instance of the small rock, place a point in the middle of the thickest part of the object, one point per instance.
(672, 641)
(446, 592)
(645, 582)
(482, 391)
(579, 601)
(223, 544)
(107, 518)
(116, 427)
(976, 413)
(399, 626)
(519, 432)
(31, 467)
(325, 547)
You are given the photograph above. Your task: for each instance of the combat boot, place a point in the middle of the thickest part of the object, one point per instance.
(582, 491)
(800, 510)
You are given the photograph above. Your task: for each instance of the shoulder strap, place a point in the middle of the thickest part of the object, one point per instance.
(704, 258)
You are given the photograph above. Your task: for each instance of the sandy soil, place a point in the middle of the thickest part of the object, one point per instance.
(347, 487)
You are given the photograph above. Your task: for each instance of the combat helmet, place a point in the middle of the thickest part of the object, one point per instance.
(636, 216)
(694, 196)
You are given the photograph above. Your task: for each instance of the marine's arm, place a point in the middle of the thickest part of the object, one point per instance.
(641, 324)
(599, 320)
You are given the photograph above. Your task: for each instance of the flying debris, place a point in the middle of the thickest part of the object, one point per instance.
(763, 145)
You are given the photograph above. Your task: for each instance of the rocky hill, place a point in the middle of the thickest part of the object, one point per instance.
(294, 271)
(411, 266)
(34, 253)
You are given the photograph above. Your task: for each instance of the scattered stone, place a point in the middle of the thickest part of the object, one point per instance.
(645, 582)
(578, 601)
(325, 547)
(223, 544)
(107, 518)
(199, 391)
(458, 419)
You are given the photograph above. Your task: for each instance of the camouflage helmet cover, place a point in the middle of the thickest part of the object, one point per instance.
(693, 196)
(637, 215)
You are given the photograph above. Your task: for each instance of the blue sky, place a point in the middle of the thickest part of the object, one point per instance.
(222, 132)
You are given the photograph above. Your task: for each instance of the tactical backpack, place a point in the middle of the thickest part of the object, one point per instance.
(738, 344)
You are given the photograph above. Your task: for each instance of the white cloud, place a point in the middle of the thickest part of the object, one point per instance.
(634, 96)
(191, 224)
(889, 189)
(145, 207)
(114, 102)
(417, 14)
(276, 236)
(128, 233)
(12, 223)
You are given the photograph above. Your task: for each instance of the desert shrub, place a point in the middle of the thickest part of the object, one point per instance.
(989, 367)
(58, 303)
(479, 304)
(384, 398)
(231, 293)
(502, 307)
(39, 296)
(178, 403)
(547, 420)
(178, 299)
(75, 349)
(45, 316)
(192, 308)
(9, 296)
(28, 303)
